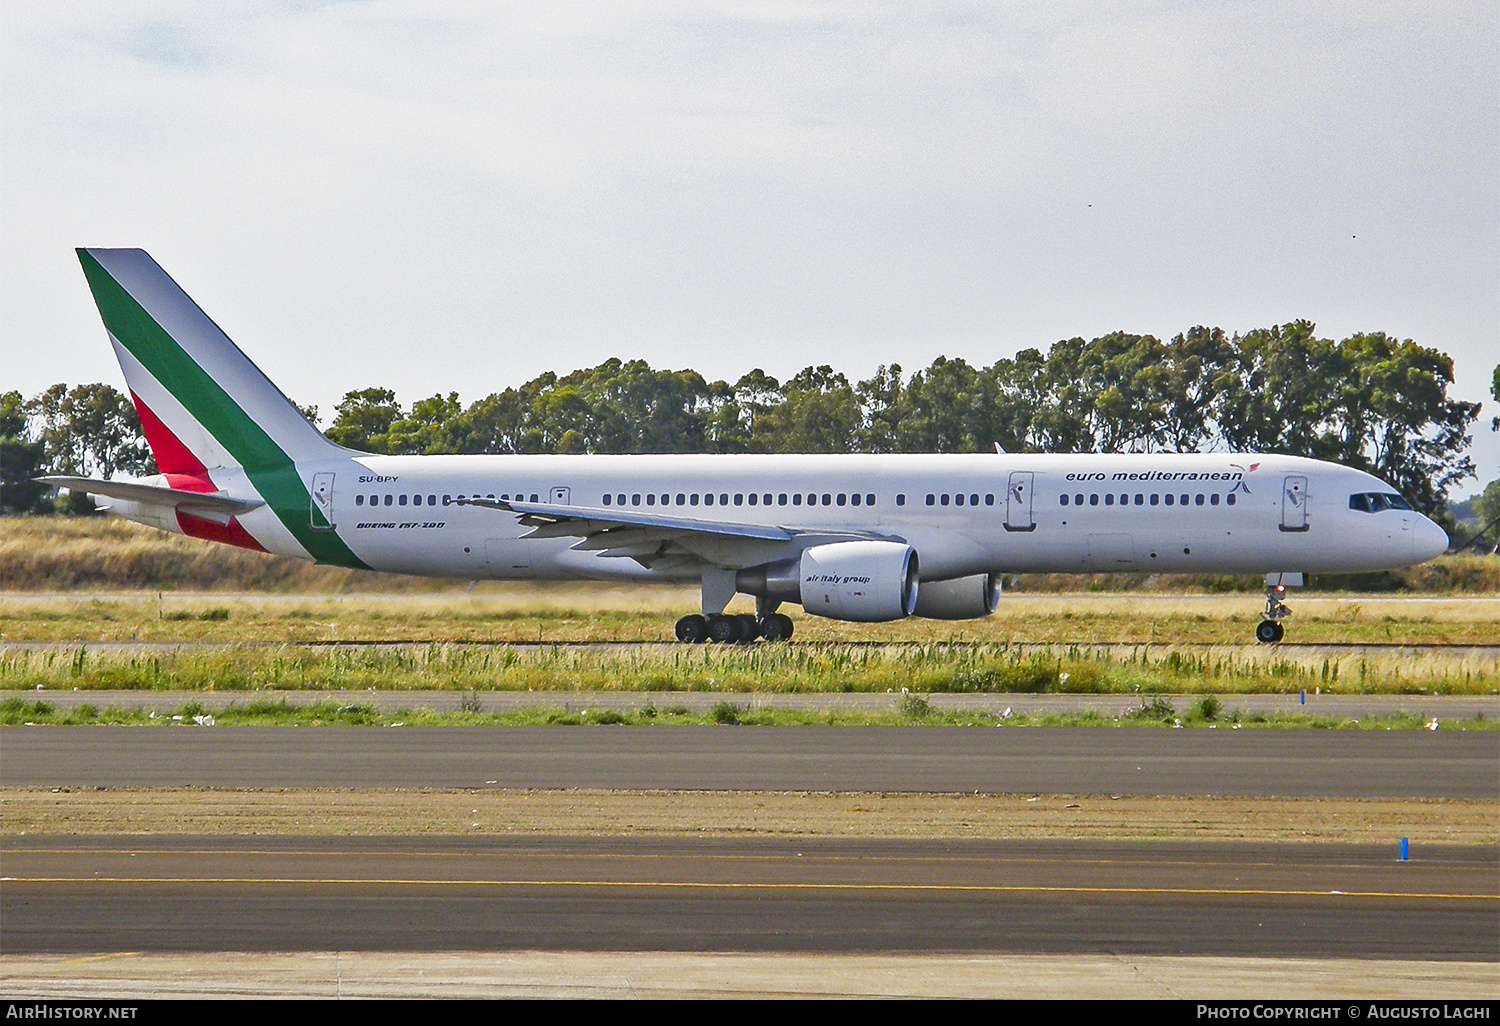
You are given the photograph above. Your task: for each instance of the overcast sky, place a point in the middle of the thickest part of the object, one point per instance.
(436, 196)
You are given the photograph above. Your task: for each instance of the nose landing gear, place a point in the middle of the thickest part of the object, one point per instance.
(1269, 631)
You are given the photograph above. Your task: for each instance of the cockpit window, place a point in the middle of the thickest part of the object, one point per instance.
(1377, 502)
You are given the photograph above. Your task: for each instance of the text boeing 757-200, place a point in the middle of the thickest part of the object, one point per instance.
(858, 537)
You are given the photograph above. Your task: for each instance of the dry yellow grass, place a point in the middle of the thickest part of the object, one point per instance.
(519, 612)
(741, 813)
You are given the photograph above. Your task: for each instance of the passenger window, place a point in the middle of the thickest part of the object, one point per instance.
(1109, 498)
(974, 500)
(693, 499)
(753, 498)
(359, 500)
(447, 499)
(681, 499)
(781, 499)
(708, 500)
(1213, 500)
(1184, 501)
(635, 500)
(901, 498)
(1124, 500)
(401, 500)
(1229, 498)
(1093, 500)
(854, 499)
(827, 499)
(765, 500)
(931, 498)
(812, 499)
(989, 499)
(1062, 500)
(1140, 500)
(388, 500)
(797, 499)
(606, 498)
(958, 500)
(620, 499)
(1170, 499)
(1198, 501)
(1155, 499)
(943, 499)
(841, 498)
(870, 499)
(1078, 499)
(739, 498)
(432, 500)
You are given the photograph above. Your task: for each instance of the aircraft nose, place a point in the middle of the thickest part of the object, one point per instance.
(1428, 540)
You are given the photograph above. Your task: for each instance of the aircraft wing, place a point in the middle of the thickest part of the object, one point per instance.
(662, 541)
(212, 504)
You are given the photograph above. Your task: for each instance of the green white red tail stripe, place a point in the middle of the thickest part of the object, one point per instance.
(209, 413)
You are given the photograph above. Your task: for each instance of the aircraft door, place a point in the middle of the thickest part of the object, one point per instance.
(321, 511)
(1294, 504)
(1018, 502)
(560, 496)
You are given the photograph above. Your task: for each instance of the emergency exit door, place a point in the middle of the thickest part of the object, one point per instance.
(1018, 502)
(321, 511)
(1294, 504)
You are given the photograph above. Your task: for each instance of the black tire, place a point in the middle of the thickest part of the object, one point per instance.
(784, 626)
(749, 628)
(1268, 632)
(692, 629)
(1280, 630)
(723, 630)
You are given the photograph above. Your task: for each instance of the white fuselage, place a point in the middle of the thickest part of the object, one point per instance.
(963, 514)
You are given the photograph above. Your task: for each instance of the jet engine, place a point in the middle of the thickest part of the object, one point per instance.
(966, 598)
(865, 581)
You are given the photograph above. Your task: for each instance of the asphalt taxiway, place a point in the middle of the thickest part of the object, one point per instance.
(181, 894)
(1258, 762)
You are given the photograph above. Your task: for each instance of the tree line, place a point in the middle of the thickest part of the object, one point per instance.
(1370, 401)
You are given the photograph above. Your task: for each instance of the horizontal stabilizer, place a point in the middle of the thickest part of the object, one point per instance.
(213, 503)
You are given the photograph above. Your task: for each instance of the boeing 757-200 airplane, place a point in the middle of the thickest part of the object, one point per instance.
(859, 538)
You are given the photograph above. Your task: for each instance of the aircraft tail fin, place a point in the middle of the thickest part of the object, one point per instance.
(202, 403)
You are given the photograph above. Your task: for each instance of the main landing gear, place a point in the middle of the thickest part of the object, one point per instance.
(1269, 631)
(736, 629)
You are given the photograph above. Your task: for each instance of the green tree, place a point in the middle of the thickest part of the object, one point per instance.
(90, 430)
(1393, 417)
(431, 427)
(21, 459)
(363, 420)
(949, 407)
(820, 413)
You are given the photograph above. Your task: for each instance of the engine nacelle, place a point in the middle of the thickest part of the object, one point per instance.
(966, 598)
(865, 581)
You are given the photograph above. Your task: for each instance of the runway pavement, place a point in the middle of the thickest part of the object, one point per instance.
(1250, 762)
(1427, 706)
(159, 894)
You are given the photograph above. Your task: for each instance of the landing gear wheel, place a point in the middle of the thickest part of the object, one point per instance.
(776, 627)
(692, 629)
(725, 630)
(1268, 632)
(749, 628)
